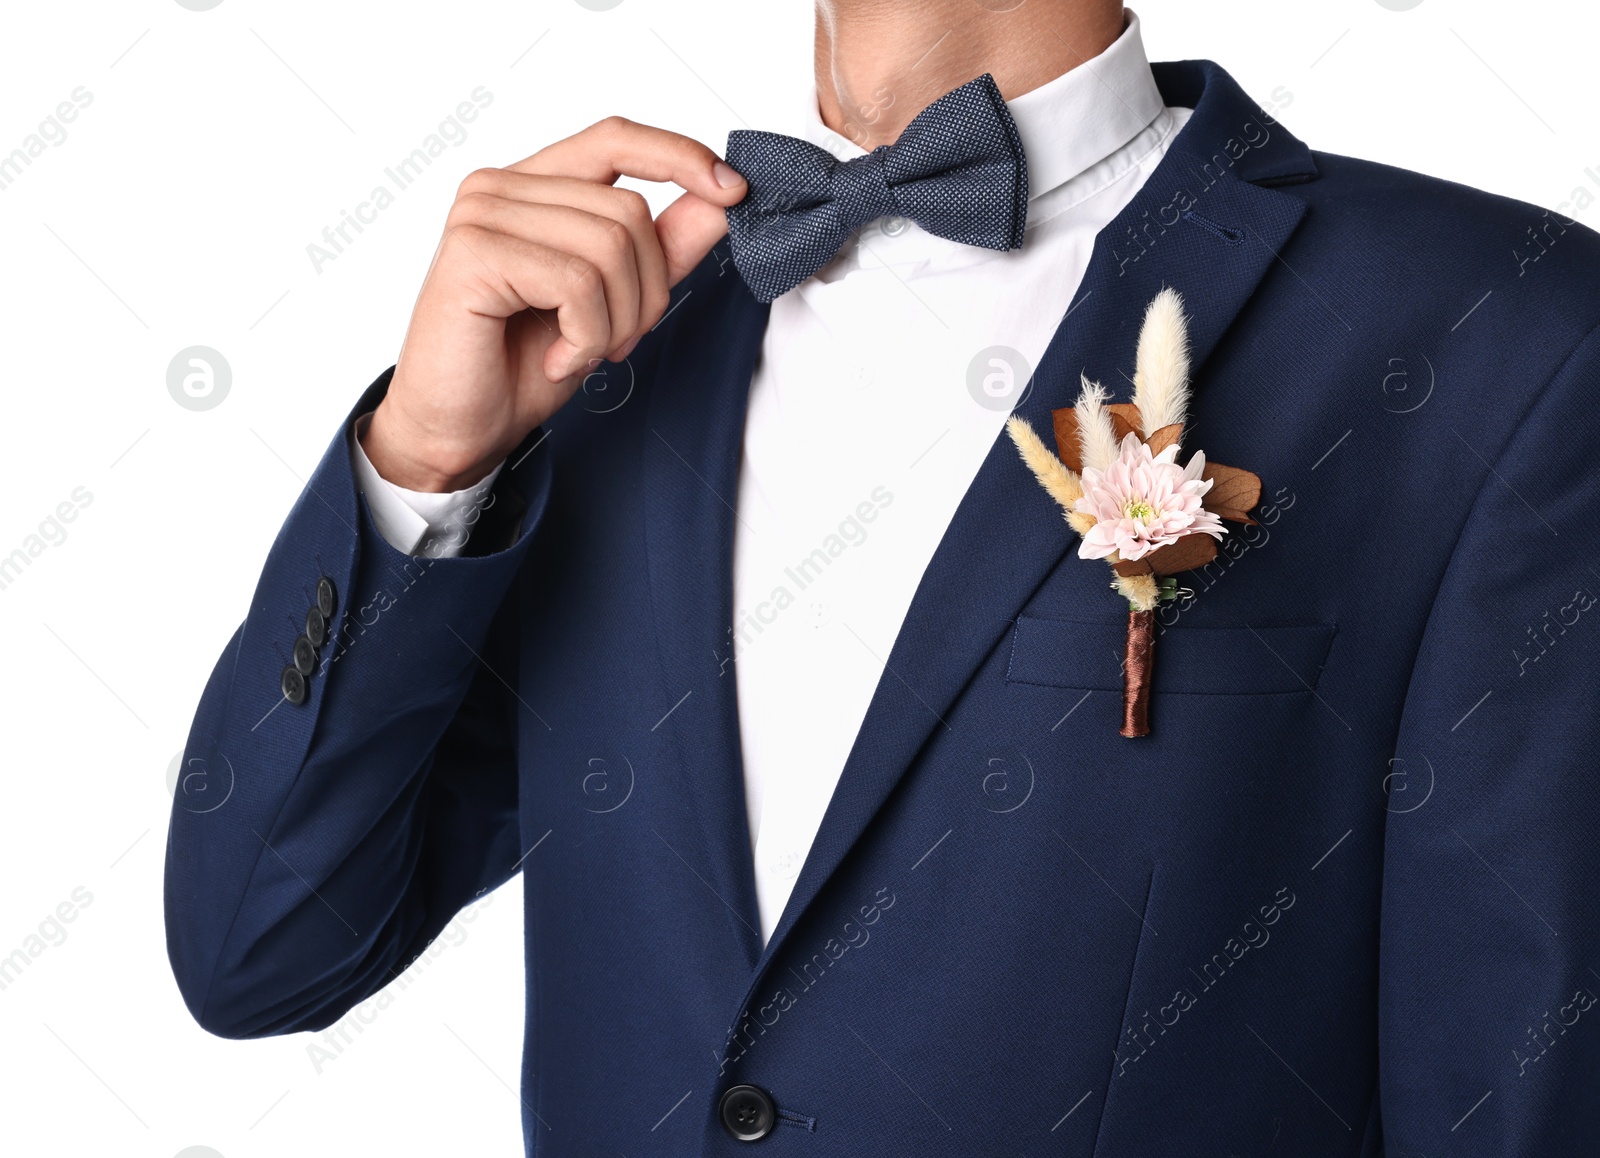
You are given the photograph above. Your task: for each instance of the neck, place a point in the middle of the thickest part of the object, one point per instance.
(880, 62)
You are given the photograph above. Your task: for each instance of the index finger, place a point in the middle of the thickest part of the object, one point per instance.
(617, 147)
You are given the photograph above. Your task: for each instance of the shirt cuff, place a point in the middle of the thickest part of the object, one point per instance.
(418, 522)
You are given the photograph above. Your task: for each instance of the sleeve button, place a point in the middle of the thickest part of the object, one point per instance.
(326, 600)
(316, 626)
(293, 684)
(305, 656)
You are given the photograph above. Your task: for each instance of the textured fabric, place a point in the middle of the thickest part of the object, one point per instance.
(1340, 902)
(957, 170)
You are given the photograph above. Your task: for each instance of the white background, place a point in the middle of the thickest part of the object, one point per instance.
(177, 212)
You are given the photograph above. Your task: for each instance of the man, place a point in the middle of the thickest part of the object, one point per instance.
(742, 633)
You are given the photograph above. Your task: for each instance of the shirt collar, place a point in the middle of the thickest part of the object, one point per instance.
(1067, 124)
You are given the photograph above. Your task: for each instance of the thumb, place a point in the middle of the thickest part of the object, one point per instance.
(687, 229)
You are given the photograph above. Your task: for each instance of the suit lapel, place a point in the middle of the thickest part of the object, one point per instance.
(1006, 535)
(690, 453)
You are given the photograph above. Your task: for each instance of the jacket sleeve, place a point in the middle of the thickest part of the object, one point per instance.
(1489, 999)
(316, 848)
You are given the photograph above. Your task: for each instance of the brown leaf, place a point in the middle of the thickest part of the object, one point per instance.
(1186, 554)
(1231, 488)
(1124, 419)
(1065, 421)
(1165, 437)
(1131, 567)
(1232, 514)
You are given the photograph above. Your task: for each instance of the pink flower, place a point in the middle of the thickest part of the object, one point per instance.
(1142, 502)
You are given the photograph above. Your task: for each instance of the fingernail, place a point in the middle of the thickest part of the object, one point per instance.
(725, 175)
(626, 350)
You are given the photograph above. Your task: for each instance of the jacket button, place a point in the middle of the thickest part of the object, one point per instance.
(325, 597)
(293, 684)
(305, 656)
(316, 626)
(747, 1113)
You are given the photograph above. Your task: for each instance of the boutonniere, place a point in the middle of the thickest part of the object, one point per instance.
(1115, 474)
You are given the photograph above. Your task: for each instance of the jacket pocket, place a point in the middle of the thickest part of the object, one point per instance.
(1218, 661)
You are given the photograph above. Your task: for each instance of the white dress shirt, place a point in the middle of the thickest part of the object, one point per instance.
(882, 383)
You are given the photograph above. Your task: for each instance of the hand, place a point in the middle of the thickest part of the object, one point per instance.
(545, 268)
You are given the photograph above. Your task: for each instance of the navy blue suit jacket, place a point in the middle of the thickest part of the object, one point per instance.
(1339, 903)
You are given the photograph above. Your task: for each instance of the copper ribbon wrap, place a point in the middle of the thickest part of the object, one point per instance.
(1137, 673)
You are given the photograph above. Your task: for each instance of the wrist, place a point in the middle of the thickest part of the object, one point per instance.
(409, 460)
